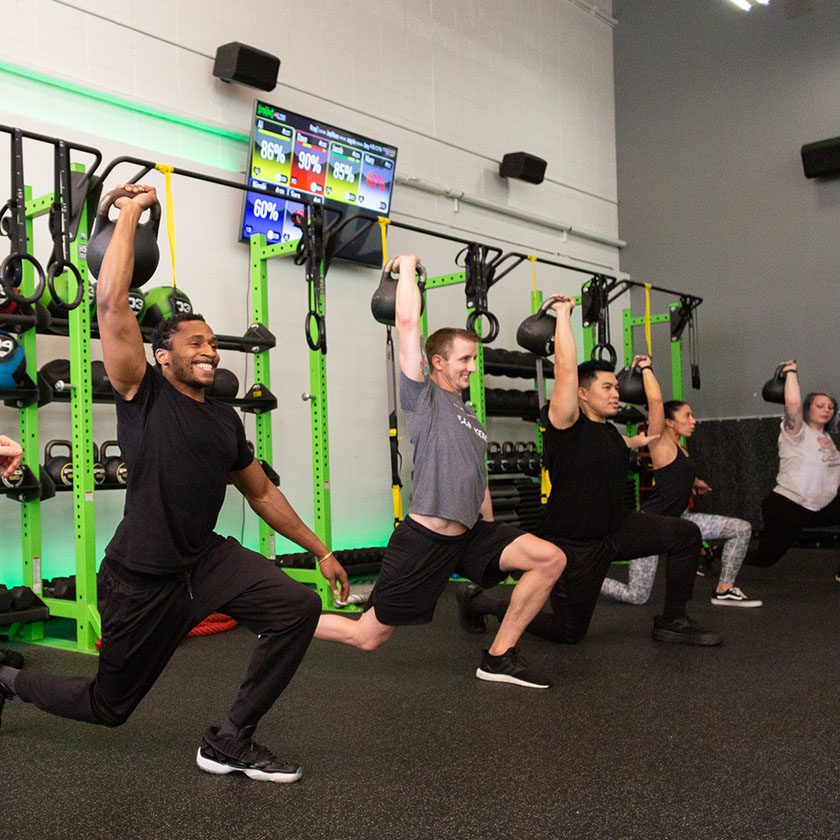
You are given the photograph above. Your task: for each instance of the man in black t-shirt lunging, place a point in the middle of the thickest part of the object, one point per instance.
(587, 461)
(165, 569)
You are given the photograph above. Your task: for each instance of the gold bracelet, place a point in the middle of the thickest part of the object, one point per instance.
(328, 554)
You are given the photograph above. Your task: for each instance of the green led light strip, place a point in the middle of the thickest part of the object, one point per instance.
(125, 104)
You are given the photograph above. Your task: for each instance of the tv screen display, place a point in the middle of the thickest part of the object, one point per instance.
(296, 160)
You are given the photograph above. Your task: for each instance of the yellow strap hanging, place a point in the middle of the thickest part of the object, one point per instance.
(167, 171)
(383, 224)
(533, 260)
(647, 319)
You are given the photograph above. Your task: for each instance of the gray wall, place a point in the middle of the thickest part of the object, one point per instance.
(712, 106)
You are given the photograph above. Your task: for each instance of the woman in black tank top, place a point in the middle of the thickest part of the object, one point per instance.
(675, 481)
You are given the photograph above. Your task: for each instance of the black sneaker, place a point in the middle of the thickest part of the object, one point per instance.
(11, 659)
(510, 667)
(222, 754)
(683, 631)
(734, 597)
(471, 620)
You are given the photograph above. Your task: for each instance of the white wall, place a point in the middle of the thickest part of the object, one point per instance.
(454, 85)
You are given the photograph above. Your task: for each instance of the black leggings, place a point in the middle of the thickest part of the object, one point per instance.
(783, 523)
(145, 617)
(575, 594)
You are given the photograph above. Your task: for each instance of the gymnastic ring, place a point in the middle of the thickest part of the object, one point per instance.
(598, 353)
(58, 268)
(9, 289)
(492, 325)
(321, 342)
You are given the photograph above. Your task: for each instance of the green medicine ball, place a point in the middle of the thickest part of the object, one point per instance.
(163, 302)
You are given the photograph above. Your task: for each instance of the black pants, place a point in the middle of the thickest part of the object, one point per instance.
(145, 617)
(575, 594)
(783, 523)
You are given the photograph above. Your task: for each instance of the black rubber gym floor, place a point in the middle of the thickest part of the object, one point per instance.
(636, 739)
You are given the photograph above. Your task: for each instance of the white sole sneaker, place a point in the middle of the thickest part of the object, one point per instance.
(219, 769)
(507, 678)
(728, 602)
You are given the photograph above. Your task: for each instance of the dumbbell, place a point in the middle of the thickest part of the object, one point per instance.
(5, 599)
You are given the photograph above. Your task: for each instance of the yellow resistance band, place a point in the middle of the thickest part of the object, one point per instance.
(533, 260)
(647, 318)
(170, 213)
(383, 224)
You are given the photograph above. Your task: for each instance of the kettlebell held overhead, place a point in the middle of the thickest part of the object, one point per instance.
(146, 251)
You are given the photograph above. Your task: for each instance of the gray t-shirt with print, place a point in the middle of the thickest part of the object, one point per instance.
(449, 449)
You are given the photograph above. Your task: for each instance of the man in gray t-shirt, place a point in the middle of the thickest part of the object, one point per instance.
(449, 527)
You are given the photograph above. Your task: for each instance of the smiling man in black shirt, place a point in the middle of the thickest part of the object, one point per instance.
(587, 461)
(165, 569)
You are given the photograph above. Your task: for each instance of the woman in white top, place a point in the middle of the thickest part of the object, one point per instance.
(805, 494)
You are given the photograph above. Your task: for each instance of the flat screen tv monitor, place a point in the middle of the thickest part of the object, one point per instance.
(295, 160)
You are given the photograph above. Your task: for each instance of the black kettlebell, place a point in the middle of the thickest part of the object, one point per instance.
(14, 479)
(631, 386)
(59, 467)
(493, 450)
(774, 389)
(225, 385)
(536, 333)
(116, 471)
(98, 467)
(383, 304)
(146, 251)
(506, 462)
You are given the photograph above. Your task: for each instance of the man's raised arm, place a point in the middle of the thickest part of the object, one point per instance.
(122, 342)
(563, 408)
(408, 309)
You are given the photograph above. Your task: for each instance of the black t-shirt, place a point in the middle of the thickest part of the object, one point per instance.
(587, 464)
(672, 487)
(178, 453)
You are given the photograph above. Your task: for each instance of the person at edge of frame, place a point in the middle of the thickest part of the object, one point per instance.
(165, 569)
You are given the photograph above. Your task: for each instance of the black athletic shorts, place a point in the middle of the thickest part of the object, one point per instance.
(418, 563)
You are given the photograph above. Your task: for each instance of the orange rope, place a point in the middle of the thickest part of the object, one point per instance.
(214, 623)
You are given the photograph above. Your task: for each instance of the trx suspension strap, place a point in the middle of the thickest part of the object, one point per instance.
(391, 383)
(545, 483)
(647, 319)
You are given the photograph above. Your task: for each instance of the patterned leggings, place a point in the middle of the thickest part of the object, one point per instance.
(736, 532)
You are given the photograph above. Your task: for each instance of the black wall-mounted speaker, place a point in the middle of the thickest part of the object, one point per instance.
(821, 159)
(237, 62)
(524, 166)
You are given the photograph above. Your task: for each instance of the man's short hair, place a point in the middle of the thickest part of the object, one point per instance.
(440, 342)
(588, 371)
(162, 336)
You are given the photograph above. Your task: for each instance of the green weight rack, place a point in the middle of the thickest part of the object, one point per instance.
(83, 610)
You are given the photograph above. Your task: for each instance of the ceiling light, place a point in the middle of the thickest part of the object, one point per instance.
(742, 4)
